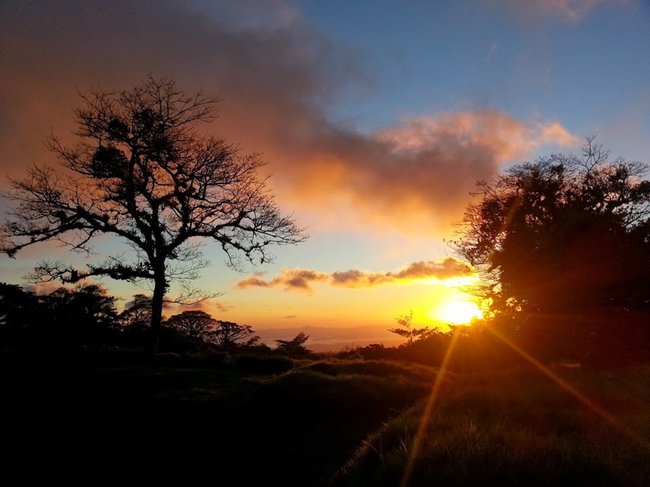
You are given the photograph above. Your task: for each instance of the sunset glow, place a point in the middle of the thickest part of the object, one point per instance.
(343, 242)
(455, 282)
(378, 177)
(457, 312)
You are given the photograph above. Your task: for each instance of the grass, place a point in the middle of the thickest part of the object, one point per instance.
(516, 428)
(244, 420)
(381, 368)
(316, 422)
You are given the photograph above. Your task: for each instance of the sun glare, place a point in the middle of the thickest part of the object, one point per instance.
(458, 312)
(453, 281)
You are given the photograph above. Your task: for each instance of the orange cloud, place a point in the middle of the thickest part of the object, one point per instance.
(302, 279)
(555, 133)
(445, 269)
(290, 279)
(415, 176)
(210, 306)
(276, 80)
(423, 270)
(497, 133)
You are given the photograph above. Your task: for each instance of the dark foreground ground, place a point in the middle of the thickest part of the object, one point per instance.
(322, 422)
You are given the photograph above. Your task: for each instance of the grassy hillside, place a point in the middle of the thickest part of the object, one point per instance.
(248, 421)
(517, 428)
(314, 422)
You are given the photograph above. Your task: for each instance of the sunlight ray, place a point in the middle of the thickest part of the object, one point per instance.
(567, 387)
(426, 414)
(459, 312)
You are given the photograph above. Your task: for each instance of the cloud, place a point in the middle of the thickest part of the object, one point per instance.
(571, 11)
(276, 75)
(253, 282)
(302, 279)
(497, 134)
(555, 133)
(423, 270)
(219, 306)
(210, 306)
(415, 176)
(445, 269)
(48, 287)
(290, 279)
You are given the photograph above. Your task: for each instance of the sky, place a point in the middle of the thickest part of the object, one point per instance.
(377, 118)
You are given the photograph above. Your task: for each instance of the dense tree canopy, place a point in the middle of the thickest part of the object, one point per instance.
(227, 333)
(137, 312)
(84, 318)
(66, 317)
(194, 323)
(200, 325)
(562, 237)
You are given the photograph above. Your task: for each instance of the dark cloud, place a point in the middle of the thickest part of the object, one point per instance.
(253, 282)
(302, 279)
(210, 306)
(276, 78)
(290, 279)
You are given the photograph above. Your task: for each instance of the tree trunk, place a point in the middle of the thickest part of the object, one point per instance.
(159, 290)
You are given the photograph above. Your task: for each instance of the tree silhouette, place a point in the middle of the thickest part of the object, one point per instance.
(200, 325)
(137, 312)
(407, 330)
(226, 334)
(194, 323)
(294, 347)
(85, 305)
(142, 172)
(20, 311)
(563, 238)
(84, 315)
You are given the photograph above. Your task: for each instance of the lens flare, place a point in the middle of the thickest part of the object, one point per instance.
(457, 312)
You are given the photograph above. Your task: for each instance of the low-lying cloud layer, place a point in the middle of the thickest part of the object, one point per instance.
(301, 280)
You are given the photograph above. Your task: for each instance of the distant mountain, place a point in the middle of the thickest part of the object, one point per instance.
(324, 338)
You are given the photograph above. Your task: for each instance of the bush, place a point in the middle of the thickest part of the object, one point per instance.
(263, 364)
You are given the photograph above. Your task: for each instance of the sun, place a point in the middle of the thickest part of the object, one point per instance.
(458, 312)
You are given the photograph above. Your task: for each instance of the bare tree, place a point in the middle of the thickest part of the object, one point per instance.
(143, 173)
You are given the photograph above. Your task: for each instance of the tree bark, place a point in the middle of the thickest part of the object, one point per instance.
(159, 290)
